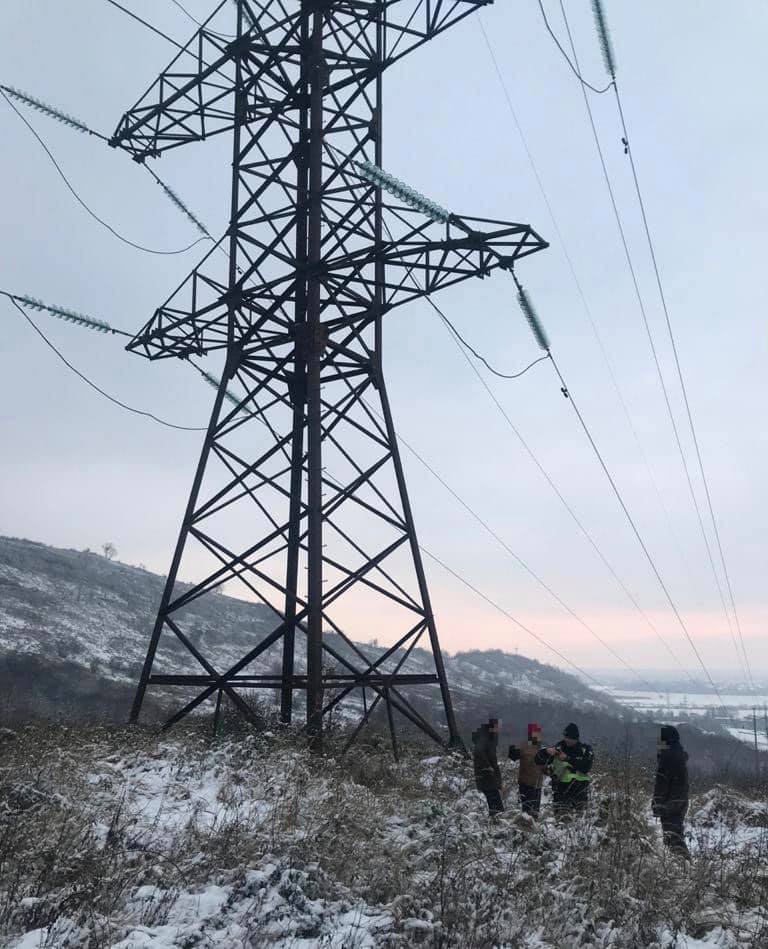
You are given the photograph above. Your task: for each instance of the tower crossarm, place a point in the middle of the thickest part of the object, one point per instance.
(426, 257)
(216, 80)
(406, 24)
(430, 256)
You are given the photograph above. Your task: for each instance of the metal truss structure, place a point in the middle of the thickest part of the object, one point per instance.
(300, 452)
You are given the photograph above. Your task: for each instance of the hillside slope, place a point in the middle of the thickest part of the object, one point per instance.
(78, 611)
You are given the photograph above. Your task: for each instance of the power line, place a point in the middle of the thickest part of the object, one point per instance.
(630, 263)
(149, 26)
(82, 203)
(544, 344)
(477, 355)
(593, 543)
(105, 327)
(506, 613)
(123, 405)
(681, 378)
(170, 39)
(186, 12)
(574, 68)
(74, 123)
(539, 333)
(632, 524)
(516, 556)
(590, 318)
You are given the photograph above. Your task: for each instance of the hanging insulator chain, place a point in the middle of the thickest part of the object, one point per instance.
(172, 196)
(215, 383)
(531, 316)
(47, 109)
(401, 190)
(70, 316)
(604, 38)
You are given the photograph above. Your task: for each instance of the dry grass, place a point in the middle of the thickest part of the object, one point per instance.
(89, 854)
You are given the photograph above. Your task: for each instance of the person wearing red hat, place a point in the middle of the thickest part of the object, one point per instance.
(530, 775)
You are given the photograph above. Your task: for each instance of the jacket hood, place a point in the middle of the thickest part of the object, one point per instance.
(669, 734)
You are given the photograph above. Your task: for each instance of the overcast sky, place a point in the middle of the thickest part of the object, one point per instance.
(78, 471)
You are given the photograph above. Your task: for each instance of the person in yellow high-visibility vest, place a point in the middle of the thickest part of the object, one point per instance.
(568, 763)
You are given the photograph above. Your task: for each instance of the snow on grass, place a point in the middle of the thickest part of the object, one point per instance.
(115, 838)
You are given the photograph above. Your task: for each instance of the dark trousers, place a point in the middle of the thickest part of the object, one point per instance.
(495, 804)
(530, 798)
(568, 799)
(674, 833)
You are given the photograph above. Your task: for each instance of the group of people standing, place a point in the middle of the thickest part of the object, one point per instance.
(568, 764)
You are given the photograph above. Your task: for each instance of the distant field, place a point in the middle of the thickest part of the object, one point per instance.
(742, 710)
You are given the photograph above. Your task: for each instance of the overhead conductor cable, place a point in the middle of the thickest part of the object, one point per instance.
(99, 325)
(610, 65)
(55, 113)
(622, 402)
(79, 126)
(541, 338)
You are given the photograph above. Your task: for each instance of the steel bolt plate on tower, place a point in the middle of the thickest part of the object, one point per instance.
(305, 463)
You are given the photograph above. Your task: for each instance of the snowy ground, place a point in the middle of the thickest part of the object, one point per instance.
(117, 839)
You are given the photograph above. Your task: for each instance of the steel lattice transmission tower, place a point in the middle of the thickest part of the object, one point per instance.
(300, 451)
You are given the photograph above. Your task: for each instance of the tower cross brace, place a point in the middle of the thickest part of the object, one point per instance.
(299, 495)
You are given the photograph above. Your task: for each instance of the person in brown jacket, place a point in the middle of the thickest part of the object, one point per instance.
(531, 775)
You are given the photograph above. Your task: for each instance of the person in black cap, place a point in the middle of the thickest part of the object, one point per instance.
(670, 793)
(568, 764)
(484, 758)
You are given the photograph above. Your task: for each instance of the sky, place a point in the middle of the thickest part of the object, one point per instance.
(78, 471)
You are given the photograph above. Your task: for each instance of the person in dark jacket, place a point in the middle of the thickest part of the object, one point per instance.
(568, 763)
(670, 793)
(530, 775)
(487, 773)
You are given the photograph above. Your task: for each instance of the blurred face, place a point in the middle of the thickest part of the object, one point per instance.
(662, 745)
(570, 742)
(493, 727)
(535, 737)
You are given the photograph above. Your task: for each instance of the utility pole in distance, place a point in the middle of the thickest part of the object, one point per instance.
(302, 476)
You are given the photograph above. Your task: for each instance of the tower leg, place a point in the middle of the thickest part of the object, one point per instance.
(418, 565)
(314, 407)
(453, 732)
(180, 544)
(298, 398)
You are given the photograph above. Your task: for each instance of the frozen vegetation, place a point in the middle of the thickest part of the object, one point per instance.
(113, 837)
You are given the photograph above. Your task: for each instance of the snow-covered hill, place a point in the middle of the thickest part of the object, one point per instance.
(110, 838)
(82, 609)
